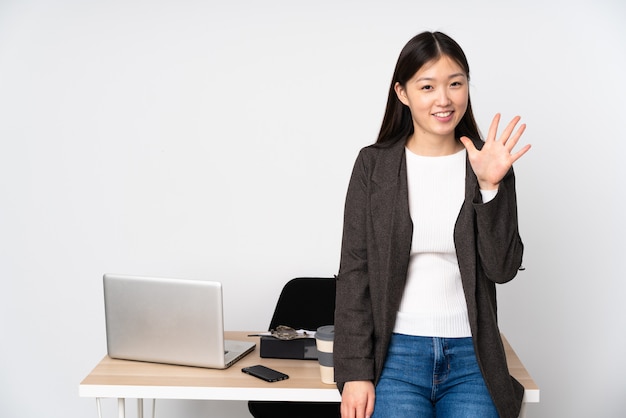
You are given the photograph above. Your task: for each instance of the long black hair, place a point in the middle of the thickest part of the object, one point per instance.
(427, 46)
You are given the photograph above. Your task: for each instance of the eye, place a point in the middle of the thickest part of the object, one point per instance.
(427, 87)
(456, 84)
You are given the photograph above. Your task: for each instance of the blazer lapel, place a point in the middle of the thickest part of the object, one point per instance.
(465, 242)
(390, 204)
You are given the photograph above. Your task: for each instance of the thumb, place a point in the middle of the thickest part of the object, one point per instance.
(468, 144)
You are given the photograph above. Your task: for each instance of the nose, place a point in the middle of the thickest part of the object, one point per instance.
(443, 97)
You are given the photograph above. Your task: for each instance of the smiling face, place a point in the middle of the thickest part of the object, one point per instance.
(437, 96)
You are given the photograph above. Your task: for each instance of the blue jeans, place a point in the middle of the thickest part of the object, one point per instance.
(426, 377)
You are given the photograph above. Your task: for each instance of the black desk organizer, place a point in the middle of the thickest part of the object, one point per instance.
(300, 349)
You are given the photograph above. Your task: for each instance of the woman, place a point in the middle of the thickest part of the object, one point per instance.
(430, 226)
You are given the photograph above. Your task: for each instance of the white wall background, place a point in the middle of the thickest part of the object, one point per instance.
(214, 140)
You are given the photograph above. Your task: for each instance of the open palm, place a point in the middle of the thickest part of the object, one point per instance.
(494, 160)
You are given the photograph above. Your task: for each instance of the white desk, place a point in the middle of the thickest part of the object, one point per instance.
(137, 380)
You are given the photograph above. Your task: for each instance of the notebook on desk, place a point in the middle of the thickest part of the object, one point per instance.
(165, 320)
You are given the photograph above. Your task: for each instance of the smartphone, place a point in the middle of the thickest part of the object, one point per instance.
(265, 373)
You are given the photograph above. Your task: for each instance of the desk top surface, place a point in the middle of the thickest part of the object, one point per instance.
(134, 379)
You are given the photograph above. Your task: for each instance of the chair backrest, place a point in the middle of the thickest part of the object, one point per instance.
(306, 303)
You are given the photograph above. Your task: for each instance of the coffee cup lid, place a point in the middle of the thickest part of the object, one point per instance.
(327, 333)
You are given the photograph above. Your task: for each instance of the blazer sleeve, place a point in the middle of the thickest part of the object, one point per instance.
(499, 245)
(354, 329)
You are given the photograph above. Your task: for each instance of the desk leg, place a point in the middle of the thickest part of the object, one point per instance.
(121, 408)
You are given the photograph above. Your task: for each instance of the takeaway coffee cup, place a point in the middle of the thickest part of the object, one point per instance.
(324, 340)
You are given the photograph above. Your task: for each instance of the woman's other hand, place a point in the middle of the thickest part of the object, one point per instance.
(357, 399)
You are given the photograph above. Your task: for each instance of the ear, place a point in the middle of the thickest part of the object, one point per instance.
(401, 93)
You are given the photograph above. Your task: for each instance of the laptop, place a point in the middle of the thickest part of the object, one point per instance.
(166, 320)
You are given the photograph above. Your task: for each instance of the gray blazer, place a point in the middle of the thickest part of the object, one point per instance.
(375, 251)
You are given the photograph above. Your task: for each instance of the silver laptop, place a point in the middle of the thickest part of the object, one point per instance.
(165, 320)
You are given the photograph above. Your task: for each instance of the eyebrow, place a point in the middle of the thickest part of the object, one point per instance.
(451, 76)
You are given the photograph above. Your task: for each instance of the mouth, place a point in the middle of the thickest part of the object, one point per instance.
(442, 114)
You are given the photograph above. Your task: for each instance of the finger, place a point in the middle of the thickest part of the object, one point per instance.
(346, 410)
(360, 412)
(510, 143)
(519, 153)
(369, 410)
(493, 128)
(509, 129)
(468, 144)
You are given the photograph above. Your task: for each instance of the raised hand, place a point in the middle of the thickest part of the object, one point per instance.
(493, 161)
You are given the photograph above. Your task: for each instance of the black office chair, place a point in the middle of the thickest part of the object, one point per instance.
(304, 303)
